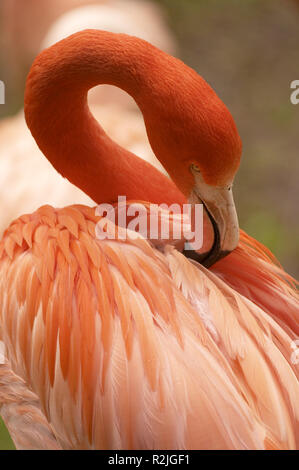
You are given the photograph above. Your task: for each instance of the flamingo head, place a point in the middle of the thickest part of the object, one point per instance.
(219, 204)
(198, 144)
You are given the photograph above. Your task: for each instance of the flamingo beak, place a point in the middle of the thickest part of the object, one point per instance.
(220, 207)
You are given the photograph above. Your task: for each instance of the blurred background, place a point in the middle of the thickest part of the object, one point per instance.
(247, 50)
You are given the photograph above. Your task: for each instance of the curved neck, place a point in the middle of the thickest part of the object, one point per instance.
(58, 116)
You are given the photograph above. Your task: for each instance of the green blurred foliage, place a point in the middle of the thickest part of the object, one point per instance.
(5, 441)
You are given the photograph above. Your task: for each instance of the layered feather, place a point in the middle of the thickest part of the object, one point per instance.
(118, 356)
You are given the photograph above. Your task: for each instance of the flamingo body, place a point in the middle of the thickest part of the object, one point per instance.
(117, 354)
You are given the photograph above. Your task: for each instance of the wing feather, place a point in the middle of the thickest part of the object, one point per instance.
(255, 344)
(104, 333)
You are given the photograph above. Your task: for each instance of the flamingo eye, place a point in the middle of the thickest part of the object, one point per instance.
(195, 167)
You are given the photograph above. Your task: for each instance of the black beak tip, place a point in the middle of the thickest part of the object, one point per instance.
(206, 259)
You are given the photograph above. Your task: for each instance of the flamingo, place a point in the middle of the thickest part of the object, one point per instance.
(19, 155)
(22, 42)
(129, 343)
(21, 39)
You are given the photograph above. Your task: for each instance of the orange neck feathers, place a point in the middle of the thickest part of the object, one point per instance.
(185, 119)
